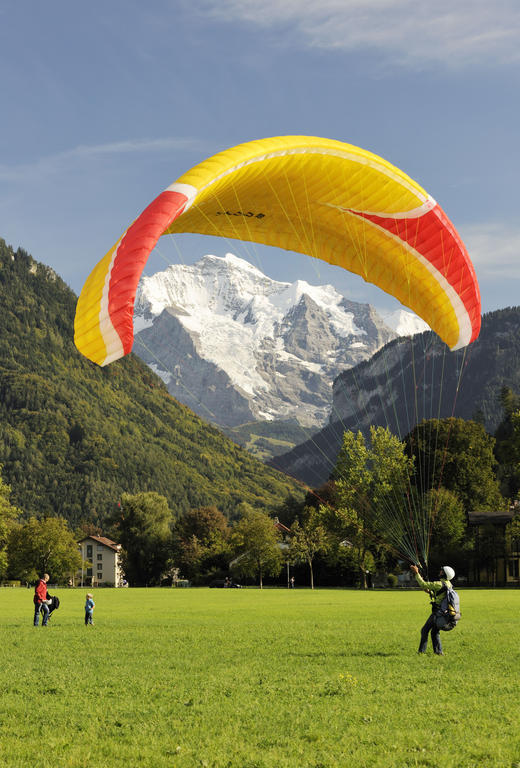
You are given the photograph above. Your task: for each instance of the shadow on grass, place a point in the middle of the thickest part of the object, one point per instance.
(346, 652)
(374, 654)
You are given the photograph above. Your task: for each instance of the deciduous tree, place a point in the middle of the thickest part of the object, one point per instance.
(308, 538)
(371, 482)
(447, 528)
(143, 523)
(202, 543)
(457, 455)
(256, 542)
(43, 546)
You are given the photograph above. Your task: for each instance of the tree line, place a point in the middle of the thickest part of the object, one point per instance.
(368, 519)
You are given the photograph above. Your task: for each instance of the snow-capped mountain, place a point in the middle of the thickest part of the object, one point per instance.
(236, 346)
(402, 322)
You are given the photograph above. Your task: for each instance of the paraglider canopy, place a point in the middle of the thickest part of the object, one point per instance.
(321, 197)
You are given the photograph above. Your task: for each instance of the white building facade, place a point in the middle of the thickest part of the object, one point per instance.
(103, 566)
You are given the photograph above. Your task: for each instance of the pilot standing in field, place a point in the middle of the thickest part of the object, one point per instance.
(436, 590)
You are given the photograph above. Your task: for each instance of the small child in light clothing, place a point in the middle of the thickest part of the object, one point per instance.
(89, 608)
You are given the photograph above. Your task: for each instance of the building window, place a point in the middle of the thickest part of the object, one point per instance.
(514, 569)
(89, 571)
(89, 550)
(100, 576)
(100, 557)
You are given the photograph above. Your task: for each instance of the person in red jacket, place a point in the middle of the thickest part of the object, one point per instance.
(40, 601)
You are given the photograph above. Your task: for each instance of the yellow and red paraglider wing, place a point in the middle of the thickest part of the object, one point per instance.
(103, 326)
(324, 198)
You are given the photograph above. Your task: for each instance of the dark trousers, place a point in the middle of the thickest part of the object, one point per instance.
(430, 628)
(44, 608)
(88, 618)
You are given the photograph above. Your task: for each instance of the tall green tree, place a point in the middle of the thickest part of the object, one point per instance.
(43, 546)
(457, 455)
(257, 546)
(207, 524)
(201, 546)
(508, 452)
(506, 446)
(143, 526)
(448, 519)
(447, 528)
(308, 539)
(371, 484)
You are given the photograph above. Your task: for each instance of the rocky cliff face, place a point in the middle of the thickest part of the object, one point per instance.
(236, 346)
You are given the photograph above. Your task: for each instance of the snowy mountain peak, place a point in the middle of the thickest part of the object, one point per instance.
(402, 322)
(235, 262)
(236, 345)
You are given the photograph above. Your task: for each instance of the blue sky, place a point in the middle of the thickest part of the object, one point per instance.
(105, 104)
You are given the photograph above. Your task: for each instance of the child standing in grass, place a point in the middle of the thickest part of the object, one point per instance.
(89, 608)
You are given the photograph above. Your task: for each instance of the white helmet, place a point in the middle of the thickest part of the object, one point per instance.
(448, 572)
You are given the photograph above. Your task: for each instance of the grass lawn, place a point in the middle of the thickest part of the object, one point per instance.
(258, 679)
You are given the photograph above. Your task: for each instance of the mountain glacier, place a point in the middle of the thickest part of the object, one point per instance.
(236, 346)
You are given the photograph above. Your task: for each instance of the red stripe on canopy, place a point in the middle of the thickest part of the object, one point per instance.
(132, 255)
(434, 237)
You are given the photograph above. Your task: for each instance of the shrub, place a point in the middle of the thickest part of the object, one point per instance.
(392, 580)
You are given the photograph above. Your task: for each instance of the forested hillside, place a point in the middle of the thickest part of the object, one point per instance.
(413, 379)
(74, 436)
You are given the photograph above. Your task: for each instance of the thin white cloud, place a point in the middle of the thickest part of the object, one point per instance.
(135, 145)
(494, 249)
(61, 161)
(451, 33)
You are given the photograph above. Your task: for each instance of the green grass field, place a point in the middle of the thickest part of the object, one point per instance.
(258, 679)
